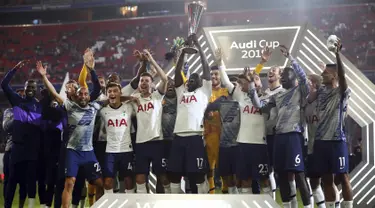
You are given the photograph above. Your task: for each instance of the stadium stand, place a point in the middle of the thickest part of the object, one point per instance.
(60, 45)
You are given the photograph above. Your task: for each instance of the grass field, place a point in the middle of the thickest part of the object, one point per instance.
(15, 202)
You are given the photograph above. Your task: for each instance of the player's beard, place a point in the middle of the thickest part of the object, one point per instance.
(216, 84)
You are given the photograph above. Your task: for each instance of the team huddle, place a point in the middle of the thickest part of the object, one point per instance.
(182, 127)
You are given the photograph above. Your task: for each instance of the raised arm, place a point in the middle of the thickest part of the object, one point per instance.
(43, 72)
(266, 55)
(257, 102)
(12, 96)
(178, 79)
(300, 73)
(8, 120)
(223, 75)
(95, 93)
(163, 77)
(206, 68)
(83, 76)
(340, 70)
(143, 61)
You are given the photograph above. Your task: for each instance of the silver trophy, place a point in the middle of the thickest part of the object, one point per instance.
(195, 11)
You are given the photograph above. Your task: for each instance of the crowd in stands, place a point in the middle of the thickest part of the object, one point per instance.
(114, 40)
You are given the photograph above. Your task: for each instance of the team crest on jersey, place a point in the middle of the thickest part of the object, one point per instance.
(188, 99)
(145, 107)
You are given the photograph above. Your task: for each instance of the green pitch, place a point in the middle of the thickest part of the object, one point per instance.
(16, 202)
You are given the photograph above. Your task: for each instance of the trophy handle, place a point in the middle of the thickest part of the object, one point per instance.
(190, 50)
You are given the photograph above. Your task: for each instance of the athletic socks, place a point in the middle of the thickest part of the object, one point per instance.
(167, 189)
(287, 204)
(267, 190)
(319, 197)
(232, 190)
(110, 191)
(347, 204)
(175, 188)
(337, 196)
(141, 188)
(31, 202)
(130, 191)
(246, 191)
(273, 184)
(82, 203)
(293, 194)
(310, 191)
(330, 204)
(202, 188)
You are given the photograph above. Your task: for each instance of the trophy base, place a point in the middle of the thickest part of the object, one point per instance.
(190, 50)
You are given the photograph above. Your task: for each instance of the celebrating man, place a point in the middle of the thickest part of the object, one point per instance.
(188, 155)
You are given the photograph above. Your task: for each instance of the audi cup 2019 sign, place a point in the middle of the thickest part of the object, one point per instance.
(243, 46)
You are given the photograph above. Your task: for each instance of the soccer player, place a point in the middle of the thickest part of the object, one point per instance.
(119, 151)
(288, 141)
(79, 153)
(315, 82)
(274, 87)
(167, 123)
(212, 126)
(252, 150)
(8, 119)
(187, 156)
(27, 116)
(148, 147)
(330, 140)
(230, 123)
(71, 89)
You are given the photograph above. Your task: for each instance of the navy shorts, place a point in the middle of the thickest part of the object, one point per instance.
(252, 161)
(188, 155)
(270, 141)
(227, 161)
(288, 152)
(99, 149)
(150, 152)
(118, 162)
(310, 172)
(331, 158)
(86, 160)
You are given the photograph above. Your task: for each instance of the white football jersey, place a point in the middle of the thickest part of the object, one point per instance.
(252, 127)
(148, 114)
(118, 124)
(312, 121)
(190, 109)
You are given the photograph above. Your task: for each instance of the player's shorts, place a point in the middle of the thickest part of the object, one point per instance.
(99, 149)
(86, 160)
(270, 142)
(150, 152)
(118, 162)
(252, 161)
(212, 149)
(288, 152)
(310, 172)
(331, 157)
(227, 161)
(188, 155)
